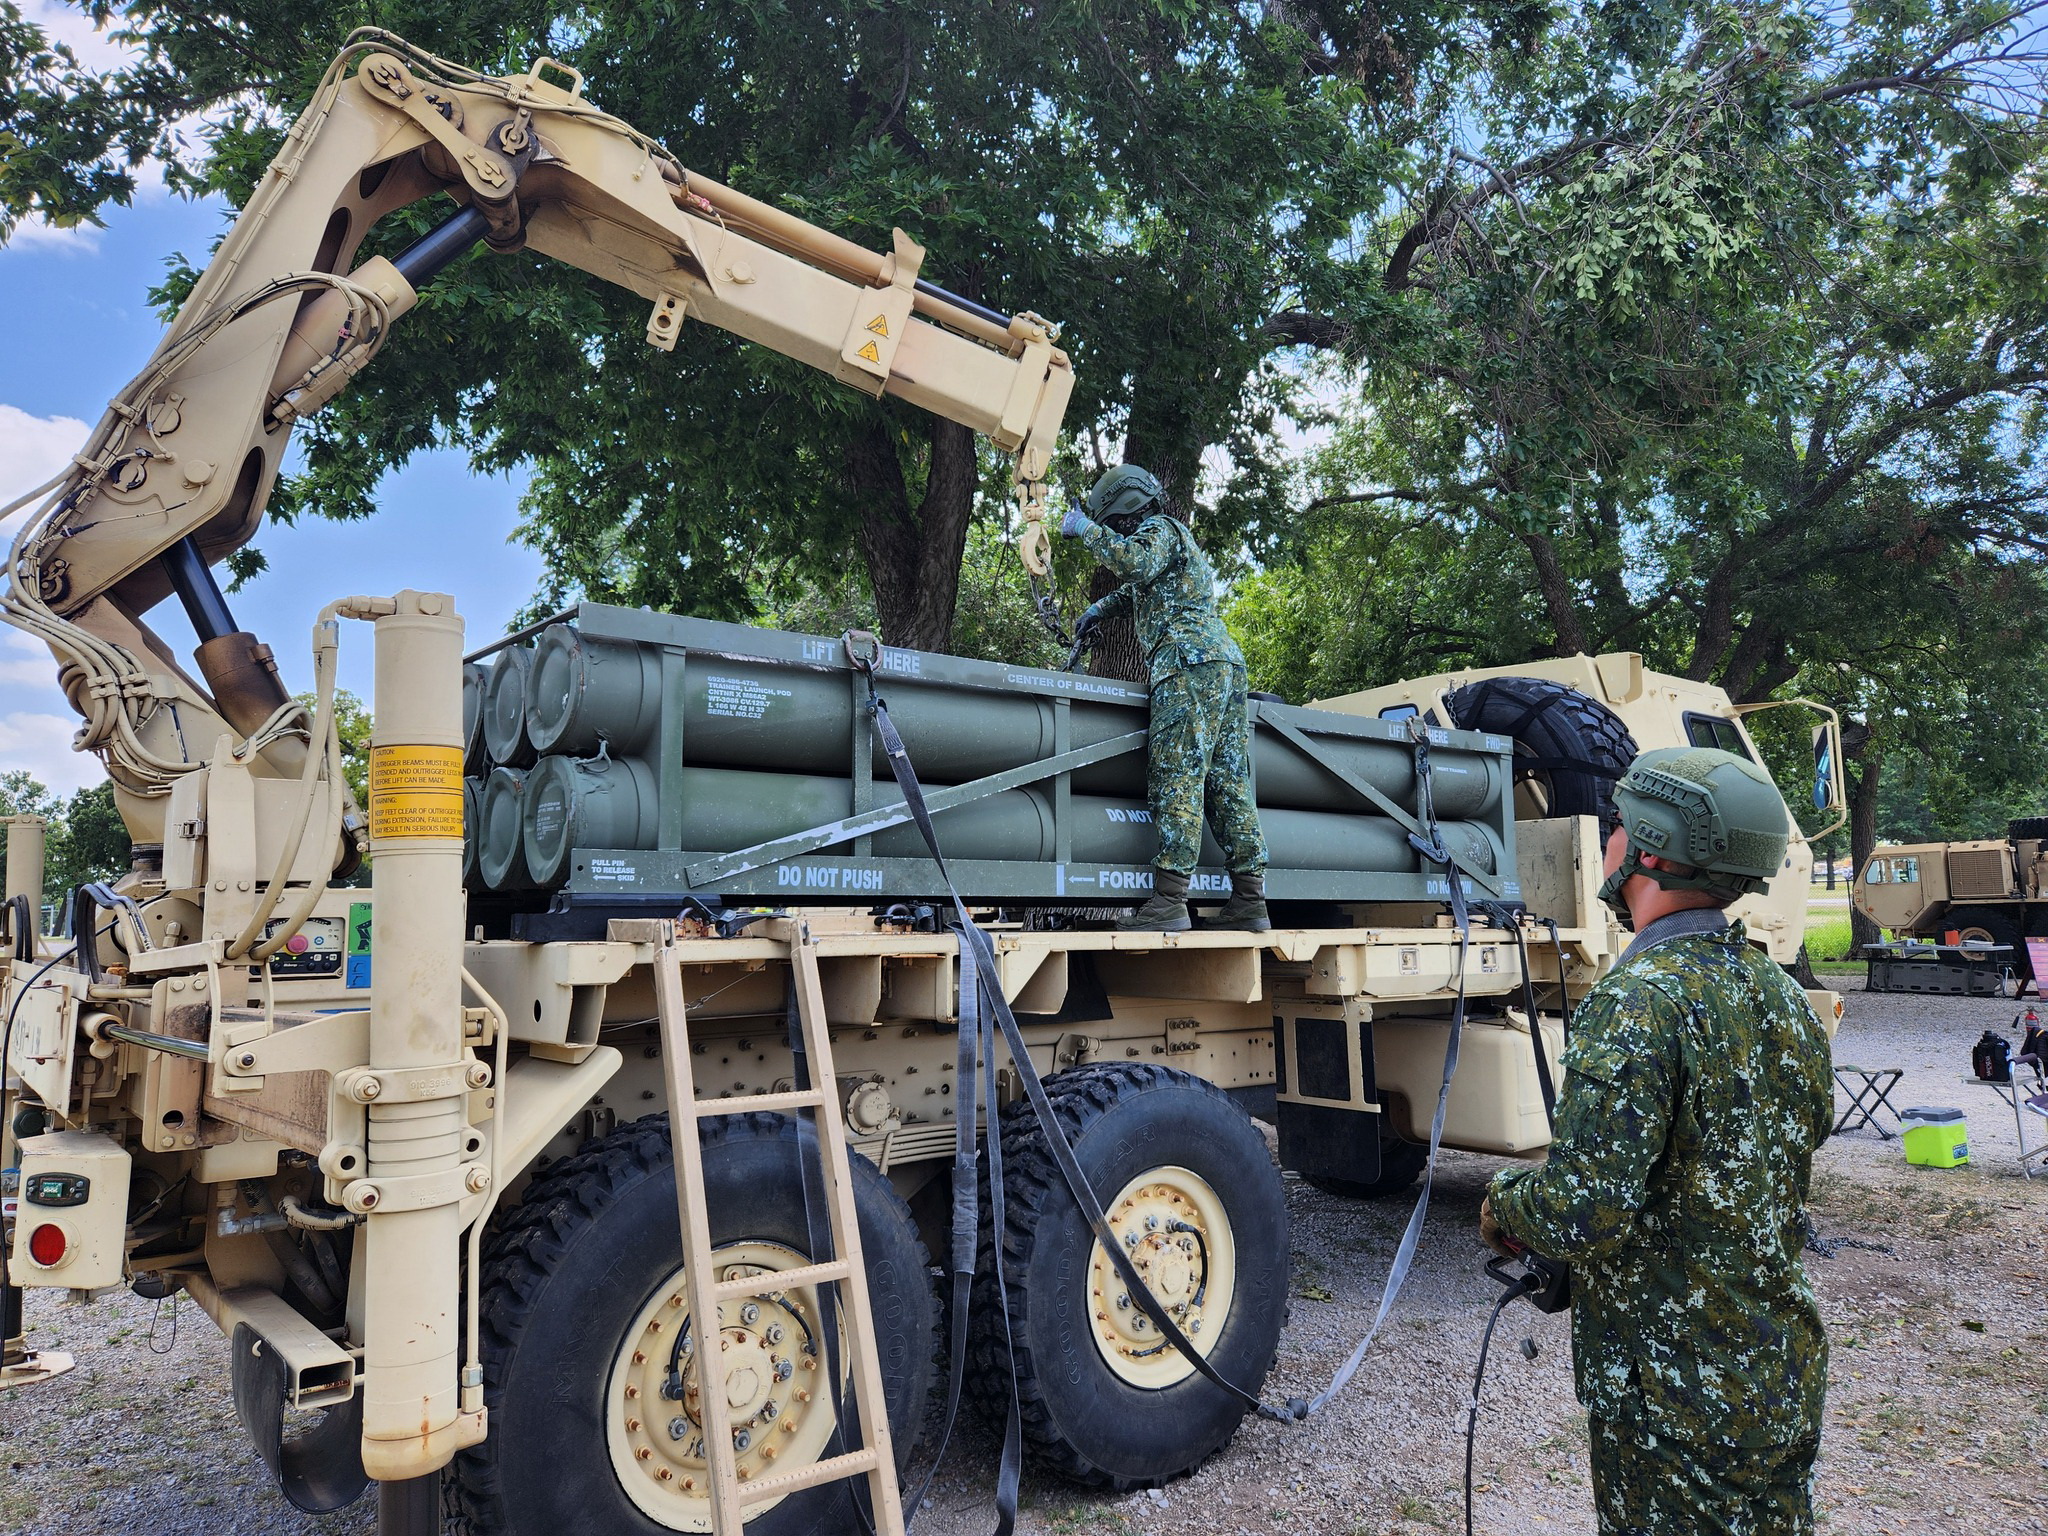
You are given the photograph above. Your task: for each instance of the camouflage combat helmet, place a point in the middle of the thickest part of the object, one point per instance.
(1701, 806)
(1124, 493)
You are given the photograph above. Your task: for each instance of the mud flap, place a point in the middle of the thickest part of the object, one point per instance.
(320, 1470)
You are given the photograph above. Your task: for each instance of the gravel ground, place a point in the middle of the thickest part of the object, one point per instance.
(1937, 1422)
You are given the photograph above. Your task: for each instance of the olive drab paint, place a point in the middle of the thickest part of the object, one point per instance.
(658, 743)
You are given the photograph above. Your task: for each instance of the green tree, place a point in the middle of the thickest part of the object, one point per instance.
(1717, 332)
(1178, 184)
(84, 838)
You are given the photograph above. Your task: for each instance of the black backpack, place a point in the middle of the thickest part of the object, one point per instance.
(1991, 1058)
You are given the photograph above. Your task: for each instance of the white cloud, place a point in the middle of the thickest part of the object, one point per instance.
(33, 448)
(67, 25)
(35, 233)
(41, 743)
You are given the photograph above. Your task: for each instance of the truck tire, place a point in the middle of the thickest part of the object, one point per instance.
(588, 1266)
(1103, 1404)
(1576, 746)
(1995, 925)
(1401, 1164)
(2026, 827)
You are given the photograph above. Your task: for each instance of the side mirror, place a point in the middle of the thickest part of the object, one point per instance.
(1823, 767)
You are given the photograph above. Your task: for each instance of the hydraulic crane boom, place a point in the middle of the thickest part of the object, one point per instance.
(177, 473)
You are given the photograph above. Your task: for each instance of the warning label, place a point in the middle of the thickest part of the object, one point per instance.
(416, 792)
(871, 352)
(879, 325)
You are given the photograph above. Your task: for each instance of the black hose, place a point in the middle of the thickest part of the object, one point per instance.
(302, 1273)
(1478, 1380)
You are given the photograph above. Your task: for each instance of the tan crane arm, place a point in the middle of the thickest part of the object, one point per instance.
(177, 473)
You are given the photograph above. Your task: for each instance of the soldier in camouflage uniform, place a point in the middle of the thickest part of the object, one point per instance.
(1696, 1088)
(1200, 744)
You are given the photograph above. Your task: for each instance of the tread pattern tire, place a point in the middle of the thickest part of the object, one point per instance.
(2026, 827)
(1079, 1419)
(1553, 722)
(567, 1269)
(2001, 925)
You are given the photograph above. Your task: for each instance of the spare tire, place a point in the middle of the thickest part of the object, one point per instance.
(2027, 827)
(1569, 747)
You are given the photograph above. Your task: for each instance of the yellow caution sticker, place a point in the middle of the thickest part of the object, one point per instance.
(871, 352)
(879, 325)
(415, 791)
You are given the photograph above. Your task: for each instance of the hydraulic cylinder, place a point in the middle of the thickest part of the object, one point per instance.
(415, 1080)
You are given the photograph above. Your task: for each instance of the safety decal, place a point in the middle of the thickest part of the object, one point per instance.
(871, 352)
(415, 791)
(879, 325)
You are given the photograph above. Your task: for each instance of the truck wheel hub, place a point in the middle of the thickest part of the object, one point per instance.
(1177, 1235)
(767, 1350)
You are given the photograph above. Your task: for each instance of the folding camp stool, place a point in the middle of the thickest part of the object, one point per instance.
(1869, 1092)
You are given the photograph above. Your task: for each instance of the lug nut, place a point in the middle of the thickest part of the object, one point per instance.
(749, 1312)
(742, 1438)
(678, 1427)
(1123, 1301)
(774, 1333)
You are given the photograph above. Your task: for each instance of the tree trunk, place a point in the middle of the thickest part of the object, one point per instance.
(1867, 759)
(913, 554)
(1116, 651)
(1556, 588)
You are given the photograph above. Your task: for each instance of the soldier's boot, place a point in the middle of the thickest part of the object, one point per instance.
(1165, 910)
(1245, 912)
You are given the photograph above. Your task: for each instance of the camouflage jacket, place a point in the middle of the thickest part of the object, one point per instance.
(1697, 1086)
(1169, 591)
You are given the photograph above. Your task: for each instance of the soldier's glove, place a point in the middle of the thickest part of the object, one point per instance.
(1076, 523)
(1491, 1232)
(1089, 622)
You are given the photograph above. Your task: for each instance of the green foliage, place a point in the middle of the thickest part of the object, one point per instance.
(84, 837)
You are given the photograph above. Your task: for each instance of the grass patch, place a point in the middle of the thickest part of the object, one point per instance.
(1827, 934)
(1076, 1519)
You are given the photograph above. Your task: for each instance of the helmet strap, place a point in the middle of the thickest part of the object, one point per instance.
(1699, 880)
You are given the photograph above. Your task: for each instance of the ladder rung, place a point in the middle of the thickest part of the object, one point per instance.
(830, 1470)
(782, 1279)
(747, 1103)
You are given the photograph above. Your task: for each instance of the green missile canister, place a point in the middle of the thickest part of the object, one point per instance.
(573, 803)
(584, 693)
(499, 839)
(740, 713)
(476, 757)
(472, 820)
(504, 712)
(687, 757)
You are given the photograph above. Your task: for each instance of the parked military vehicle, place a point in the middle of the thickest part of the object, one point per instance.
(410, 1146)
(1989, 891)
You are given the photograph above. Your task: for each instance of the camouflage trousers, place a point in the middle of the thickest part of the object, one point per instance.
(1651, 1485)
(1200, 761)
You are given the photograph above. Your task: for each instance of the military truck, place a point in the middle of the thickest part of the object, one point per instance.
(410, 1146)
(1988, 891)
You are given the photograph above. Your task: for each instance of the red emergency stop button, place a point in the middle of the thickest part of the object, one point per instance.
(47, 1245)
(298, 944)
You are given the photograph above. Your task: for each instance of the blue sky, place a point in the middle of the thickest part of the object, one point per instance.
(74, 309)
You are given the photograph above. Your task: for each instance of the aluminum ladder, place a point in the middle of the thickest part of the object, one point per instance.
(876, 1459)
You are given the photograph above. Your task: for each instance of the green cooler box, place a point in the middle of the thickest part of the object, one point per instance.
(1935, 1138)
